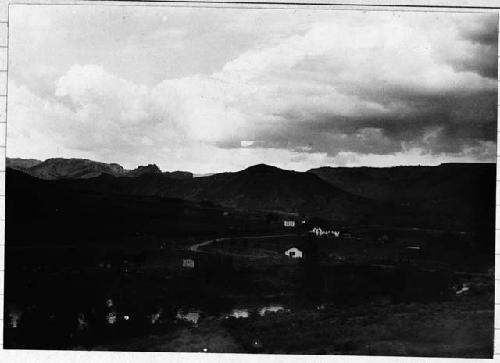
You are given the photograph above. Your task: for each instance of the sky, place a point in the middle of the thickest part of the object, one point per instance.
(212, 90)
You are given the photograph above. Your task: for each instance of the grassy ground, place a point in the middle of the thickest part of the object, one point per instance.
(462, 327)
(210, 336)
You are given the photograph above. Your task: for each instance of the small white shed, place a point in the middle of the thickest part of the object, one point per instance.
(188, 263)
(293, 252)
(289, 223)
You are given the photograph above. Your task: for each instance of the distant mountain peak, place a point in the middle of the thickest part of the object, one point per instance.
(145, 169)
(55, 168)
(262, 168)
(21, 164)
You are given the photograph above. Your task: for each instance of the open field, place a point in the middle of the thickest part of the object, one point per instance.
(336, 307)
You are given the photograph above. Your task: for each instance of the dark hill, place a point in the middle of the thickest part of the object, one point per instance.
(462, 195)
(56, 212)
(262, 188)
(265, 187)
(407, 182)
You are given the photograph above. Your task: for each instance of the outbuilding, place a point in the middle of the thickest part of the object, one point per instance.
(188, 263)
(293, 252)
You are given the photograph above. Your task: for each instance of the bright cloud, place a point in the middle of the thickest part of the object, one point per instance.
(347, 88)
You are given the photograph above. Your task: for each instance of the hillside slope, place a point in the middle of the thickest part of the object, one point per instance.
(462, 195)
(260, 187)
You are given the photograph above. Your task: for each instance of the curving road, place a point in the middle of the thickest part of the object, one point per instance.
(196, 246)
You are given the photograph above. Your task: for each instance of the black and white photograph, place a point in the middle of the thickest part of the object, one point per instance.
(241, 179)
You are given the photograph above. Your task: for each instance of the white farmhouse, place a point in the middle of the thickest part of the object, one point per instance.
(293, 252)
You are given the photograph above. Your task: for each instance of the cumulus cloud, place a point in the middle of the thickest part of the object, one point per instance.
(337, 88)
(348, 88)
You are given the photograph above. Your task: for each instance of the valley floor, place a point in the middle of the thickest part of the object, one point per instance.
(243, 295)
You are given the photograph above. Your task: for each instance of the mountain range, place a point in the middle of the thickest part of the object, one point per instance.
(448, 196)
(59, 168)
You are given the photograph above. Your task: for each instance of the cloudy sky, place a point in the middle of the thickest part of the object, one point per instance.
(210, 90)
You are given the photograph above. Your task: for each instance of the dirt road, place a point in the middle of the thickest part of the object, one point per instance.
(196, 246)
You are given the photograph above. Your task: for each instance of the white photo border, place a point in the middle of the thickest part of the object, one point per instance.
(491, 6)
